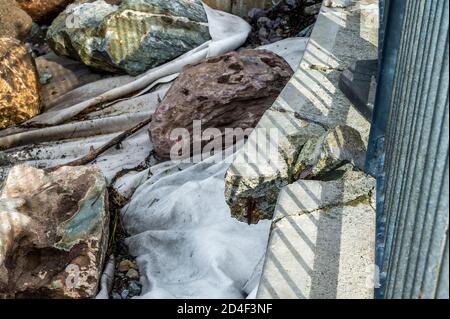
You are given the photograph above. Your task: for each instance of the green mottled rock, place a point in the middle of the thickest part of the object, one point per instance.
(53, 232)
(128, 36)
(321, 155)
(255, 178)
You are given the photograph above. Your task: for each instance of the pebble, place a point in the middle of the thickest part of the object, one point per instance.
(125, 265)
(134, 288)
(263, 21)
(115, 295)
(256, 13)
(124, 294)
(132, 274)
(291, 16)
(313, 10)
(263, 33)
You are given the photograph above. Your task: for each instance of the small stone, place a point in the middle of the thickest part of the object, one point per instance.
(292, 3)
(132, 274)
(263, 21)
(126, 265)
(44, 77)
(251, 186)
(337, 3)
(256, 13)
(313, 10)
(134, 288)
(124, 294)
(262, 33)
(338, 146)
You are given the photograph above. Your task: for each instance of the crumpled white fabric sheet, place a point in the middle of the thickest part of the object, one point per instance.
(186, 243)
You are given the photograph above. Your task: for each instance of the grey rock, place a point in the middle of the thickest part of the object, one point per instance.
(263, 33)
(253, 182)
(313, 9)
(124, 294)
(131, 37)
(263, 21)
(323, 154)
(256, 13)
(132, 274)
(337, 3)
(134, 288)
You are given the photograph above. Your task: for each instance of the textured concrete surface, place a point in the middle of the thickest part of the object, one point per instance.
(322, 243)
(310, 104)
(323, 234)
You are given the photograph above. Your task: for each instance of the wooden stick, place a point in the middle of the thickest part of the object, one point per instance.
(94, 153)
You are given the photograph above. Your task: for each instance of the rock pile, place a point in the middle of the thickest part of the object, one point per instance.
(287, 18)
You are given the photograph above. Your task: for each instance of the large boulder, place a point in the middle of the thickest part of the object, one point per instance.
(128, 36)
(230, 91)
(19, 84)
(53, 232)
(43, 10)
(14, 22)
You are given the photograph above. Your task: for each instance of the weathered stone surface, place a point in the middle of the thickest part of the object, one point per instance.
(322, 243)
(128, 36)
(53, 232)
(43, 10)
(304, 150)
(254, 179)
(349, 187)
(19, 84)
(14, 22)
(323, 154)
(230, 91)
(63, 75)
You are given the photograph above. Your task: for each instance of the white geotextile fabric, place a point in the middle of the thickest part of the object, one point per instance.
(186, 243)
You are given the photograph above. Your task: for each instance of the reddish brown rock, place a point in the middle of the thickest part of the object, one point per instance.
(43, 10)
(230, 91)
(53, 232)
(14, 22)
(19, 84)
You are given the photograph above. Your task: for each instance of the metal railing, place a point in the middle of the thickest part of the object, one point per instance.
(409, 149)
